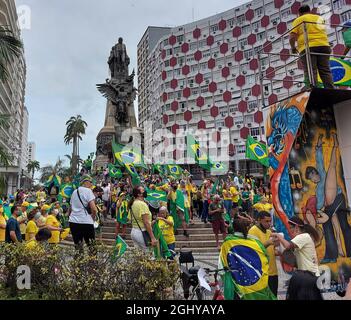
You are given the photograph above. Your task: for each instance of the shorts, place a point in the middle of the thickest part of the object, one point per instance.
(218, 226)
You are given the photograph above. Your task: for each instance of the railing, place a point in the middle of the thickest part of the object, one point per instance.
(278, 74)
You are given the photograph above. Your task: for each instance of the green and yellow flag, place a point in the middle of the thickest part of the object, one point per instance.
(114, 171)
(200, 156)
(119, 249)
(247, 266)
(161, 251)
(257, 151)
(128, 155)
(130, 168)
(155, 195)
(174, 170)
(66, 190)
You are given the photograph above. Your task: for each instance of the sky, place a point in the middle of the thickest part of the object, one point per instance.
(66, 49)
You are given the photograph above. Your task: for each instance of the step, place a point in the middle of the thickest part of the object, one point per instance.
(199, 250)
(179, 237)
(179, 244)
(190, 230)
(196, 225)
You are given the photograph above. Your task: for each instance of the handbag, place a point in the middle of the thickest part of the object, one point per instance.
(146, 236)
(87, 209)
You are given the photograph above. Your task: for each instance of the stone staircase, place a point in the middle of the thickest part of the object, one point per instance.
(201, 240)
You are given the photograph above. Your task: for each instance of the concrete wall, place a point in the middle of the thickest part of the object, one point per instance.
(342, 117)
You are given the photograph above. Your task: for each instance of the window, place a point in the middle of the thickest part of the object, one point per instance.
(202, 43)
(194, 68)
(255, 25)
(214, 28)
(180, 38)
(252, 105)
(257, 49)
(286, 13)
(338, 4)
(251, 79)
(165, 42)
(346, 16)
(169, 52)
(204, 89)
(241, 149)
(241, 19)
(193, 46)
(166, 63)
(246, 29)
(248, 54)
(242, 42)
(231, 22)
(261, 36)
(255, 131)
(203, 66)
(258, 11)
(176, 50)
(180, 60)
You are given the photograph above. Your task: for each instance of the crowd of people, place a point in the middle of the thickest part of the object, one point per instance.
(233, 204)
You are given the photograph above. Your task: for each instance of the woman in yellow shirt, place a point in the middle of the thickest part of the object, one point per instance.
(2, 223)
(32, 228)
(166, 224)
(227, 197)
(54, 226)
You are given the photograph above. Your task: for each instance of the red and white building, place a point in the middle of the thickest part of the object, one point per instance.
(205, 74)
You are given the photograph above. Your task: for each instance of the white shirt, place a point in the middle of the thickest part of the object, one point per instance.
(306, 255)
(79, 213)
(106, 194)
(236, 181)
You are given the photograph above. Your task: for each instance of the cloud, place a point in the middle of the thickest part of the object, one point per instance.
(66, 52)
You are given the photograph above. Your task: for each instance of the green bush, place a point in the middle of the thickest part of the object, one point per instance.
(59, 273)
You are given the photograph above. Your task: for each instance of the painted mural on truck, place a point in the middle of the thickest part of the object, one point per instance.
(307, 177)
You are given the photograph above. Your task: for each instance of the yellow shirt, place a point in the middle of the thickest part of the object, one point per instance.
(316, 31)
(31, 228)
(167, 230)
(41, 195)
(139, 208)
(23, 226)
(263, 206)
(226, 195)
(233, 191)
(31, 244)
(2, 231)
(173, 196)
(264, 237)
(55, 235)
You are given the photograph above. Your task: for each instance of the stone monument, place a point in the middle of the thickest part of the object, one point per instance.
(120, 93)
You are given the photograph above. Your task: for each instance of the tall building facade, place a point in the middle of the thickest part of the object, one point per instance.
(12, 93)
(148, 41)
(31, 151)
(205, 75)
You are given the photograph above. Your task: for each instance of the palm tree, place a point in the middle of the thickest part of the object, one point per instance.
(75, 129)
(10, 47)
(33, 166)
(50, 170)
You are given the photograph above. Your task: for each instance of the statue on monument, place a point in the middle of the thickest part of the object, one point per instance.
(118, 60)
(119, 90)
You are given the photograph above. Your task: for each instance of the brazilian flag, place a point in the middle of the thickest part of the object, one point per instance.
(119, 249)
(215, 187)
(114, 171)
(123, 212)
(257, 151)
(130, 168)
(218, 168)
(161, 250)
(341, 72)
(173, 212)
(200, 156)
(54, 180)
(128, 155)
(246, 262)
(180, 204)
(7, 211)
(174, 170)
(66, 190)
(153, 195)
(159, 168)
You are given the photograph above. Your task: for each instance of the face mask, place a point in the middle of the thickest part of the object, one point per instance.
(145, 194)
